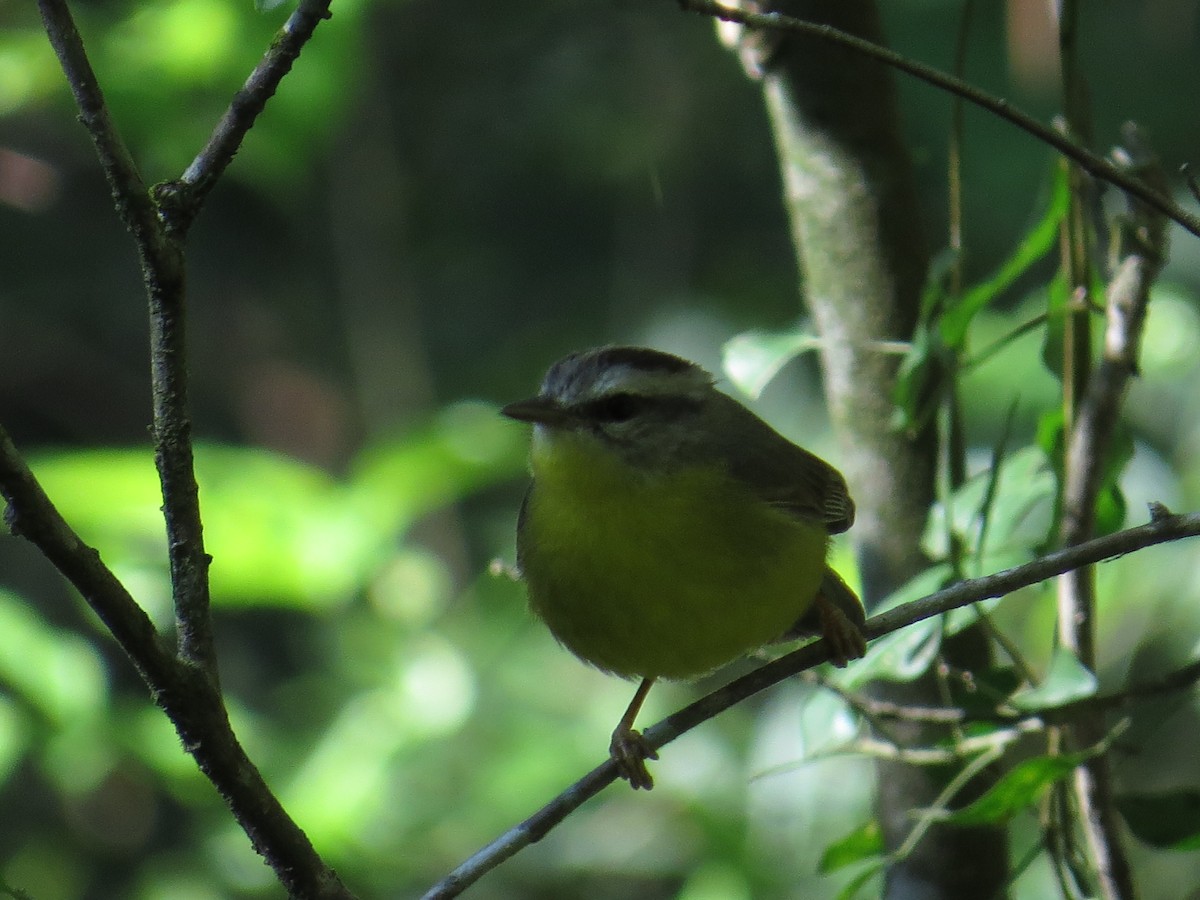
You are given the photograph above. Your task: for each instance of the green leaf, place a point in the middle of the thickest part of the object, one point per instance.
(1111, 510)
(862, 843)
(1038, 241)
(921, 380)
(927, 367)
(935, 295)
(1167, 821)
(16, 736)
(921, 585)
(1056, 316)
(859, 881)
(1110, 500)
(752, 359)
(1050, 438)
(1067, 681)
(1019, 513)
(1018, 790)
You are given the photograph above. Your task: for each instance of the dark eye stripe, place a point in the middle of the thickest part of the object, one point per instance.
(623, 406)
(615, 408)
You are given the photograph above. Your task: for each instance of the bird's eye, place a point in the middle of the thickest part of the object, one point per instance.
(615, 407)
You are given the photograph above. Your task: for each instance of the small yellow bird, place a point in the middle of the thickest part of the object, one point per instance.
(669, 530)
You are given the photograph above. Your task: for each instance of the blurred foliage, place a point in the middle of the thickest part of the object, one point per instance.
(284, 533)
(439, 202)
(169, 69)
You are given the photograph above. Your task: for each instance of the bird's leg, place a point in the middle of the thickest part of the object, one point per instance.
(628, 748)
(845, 638)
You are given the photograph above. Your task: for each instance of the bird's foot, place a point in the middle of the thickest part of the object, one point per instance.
(630, 751)
(845, 638)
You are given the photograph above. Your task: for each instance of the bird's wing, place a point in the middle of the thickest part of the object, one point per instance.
(784, 475)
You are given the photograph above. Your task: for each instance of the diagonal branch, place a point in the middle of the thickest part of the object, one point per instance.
(30, 514)
(189, 698)
(1163, 527)
(1142, 250)
(183, 199)
(129, 191)
(1091, 162)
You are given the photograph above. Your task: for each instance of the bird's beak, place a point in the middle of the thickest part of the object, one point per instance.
(540, 410)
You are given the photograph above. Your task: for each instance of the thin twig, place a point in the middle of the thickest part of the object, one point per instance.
(1142, 249)
(175, 461)
(30, 514)
(863, 705)
(873, 708)
(1059, 843)
(1143, 253)
(927, 818)
(1076, 590)
(1162, 528)
(1096, 165)
(129, 191)
(926, 756)
(954, 157)
(1000, 343)
(185, 197)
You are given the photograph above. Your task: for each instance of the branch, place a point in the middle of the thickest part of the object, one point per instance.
(184, 686)
(30, 514)
(175, 462)
(161, 259)
(159, 225)
(1163, 527)
(1142, 248)
(1062, 714)
(129, 191)
(183, 199)
(1142, 243)
(1096, 165)
(188, 697)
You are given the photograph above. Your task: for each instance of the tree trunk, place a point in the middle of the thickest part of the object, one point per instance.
(852, 204)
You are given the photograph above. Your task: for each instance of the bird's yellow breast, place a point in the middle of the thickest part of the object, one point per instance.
(659, 575)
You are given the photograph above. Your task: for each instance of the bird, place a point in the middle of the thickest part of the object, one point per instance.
(668, 530)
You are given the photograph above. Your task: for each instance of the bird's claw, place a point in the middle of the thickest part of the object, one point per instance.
(630, 751)
(845, 639)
